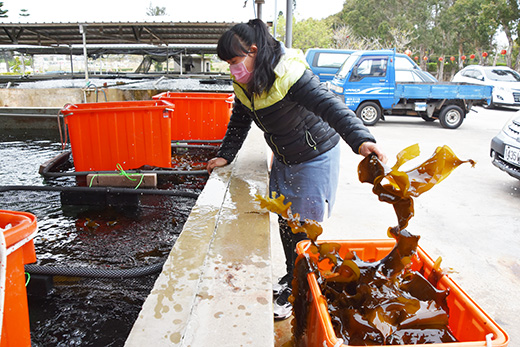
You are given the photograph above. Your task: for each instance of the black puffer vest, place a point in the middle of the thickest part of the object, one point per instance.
(302, 125)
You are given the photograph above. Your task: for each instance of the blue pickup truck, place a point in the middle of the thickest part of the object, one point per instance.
(376, 84)
(325, 62)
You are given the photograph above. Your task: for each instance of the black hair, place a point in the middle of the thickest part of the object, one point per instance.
(237, 41)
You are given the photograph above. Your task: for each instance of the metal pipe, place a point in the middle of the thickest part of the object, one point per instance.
(181, 64)
(167, 60)
(275, 21)
(71, 63)
(82, 32)
(288, 24)
(259, 4)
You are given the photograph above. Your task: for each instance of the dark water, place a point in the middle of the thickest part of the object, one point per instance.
(91, 312)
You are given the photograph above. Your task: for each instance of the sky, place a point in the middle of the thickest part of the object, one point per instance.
(48, 11)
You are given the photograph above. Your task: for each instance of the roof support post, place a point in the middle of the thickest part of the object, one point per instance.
(71, 62)
(23, 63)
(84, 34)
(167, 60)
(181, 63)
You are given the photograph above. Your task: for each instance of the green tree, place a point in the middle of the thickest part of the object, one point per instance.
(23, 13)
(155, 11)
(472, 27)
(280, 27)
(3, 13)
(311, 33)
(507, 15)
(367, 19)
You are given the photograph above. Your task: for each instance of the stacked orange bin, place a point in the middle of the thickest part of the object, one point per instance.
(199, 116)
(128, 133)
(20, 251)
(468, 322)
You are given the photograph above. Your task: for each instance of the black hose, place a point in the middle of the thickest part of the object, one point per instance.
(162, 172)
(194, 146)
(93, 272)
(197, 141)
(113, 190)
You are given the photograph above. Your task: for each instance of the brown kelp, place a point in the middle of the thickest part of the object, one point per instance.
(383, 302)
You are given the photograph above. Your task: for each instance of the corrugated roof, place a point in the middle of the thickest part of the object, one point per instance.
(95, 50)
(111, 33)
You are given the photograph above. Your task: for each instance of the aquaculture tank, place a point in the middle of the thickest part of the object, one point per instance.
(96, 263)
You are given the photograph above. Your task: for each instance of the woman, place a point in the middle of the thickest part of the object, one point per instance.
(302, 123)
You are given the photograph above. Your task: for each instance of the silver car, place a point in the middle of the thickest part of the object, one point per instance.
(505, 148)
(505, 82)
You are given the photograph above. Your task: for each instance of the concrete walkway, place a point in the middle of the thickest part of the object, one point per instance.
(215, 288)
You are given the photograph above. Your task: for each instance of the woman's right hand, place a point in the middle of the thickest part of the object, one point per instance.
(216, 162)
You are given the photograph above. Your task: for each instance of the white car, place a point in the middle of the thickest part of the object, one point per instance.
(505, 82)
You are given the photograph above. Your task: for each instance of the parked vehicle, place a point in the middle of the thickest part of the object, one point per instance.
(376, 84)
(504, 80)
(505, 148)
(325, 63)
(414, 75)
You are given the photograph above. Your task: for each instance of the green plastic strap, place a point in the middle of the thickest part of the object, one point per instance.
(122, 173)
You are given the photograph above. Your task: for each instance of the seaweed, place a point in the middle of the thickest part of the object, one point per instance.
(383, 302)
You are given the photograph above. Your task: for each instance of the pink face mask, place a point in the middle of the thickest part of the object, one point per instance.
(239, 70)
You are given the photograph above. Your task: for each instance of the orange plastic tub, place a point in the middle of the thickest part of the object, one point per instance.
(468, 322)
(129, 133)
(199, 116)
(20, 251)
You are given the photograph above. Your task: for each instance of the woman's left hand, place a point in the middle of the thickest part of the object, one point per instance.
(367, 148)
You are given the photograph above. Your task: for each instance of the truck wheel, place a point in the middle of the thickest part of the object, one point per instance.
(451, 116)
(369, 112)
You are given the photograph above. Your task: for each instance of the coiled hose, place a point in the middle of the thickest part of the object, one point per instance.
(93, 272)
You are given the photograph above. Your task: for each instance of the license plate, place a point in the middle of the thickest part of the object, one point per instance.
(512, 155)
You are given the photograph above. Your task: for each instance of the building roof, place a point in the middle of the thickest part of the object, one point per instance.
(60, 38)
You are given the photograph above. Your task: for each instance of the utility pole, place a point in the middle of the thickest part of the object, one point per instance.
(288, 24)
(259, 4)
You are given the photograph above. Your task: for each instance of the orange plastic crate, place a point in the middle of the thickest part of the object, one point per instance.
(20, 251)
(468, 322)
(199, 116)
(129, 133)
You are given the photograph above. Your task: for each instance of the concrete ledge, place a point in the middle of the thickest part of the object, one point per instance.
(215, 288)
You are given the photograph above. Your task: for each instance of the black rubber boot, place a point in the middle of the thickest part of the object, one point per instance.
(289, 242)
(282, 290)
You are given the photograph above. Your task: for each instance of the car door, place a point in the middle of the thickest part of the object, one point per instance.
(370, 80)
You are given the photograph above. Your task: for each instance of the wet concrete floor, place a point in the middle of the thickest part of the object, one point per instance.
(471, 219)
